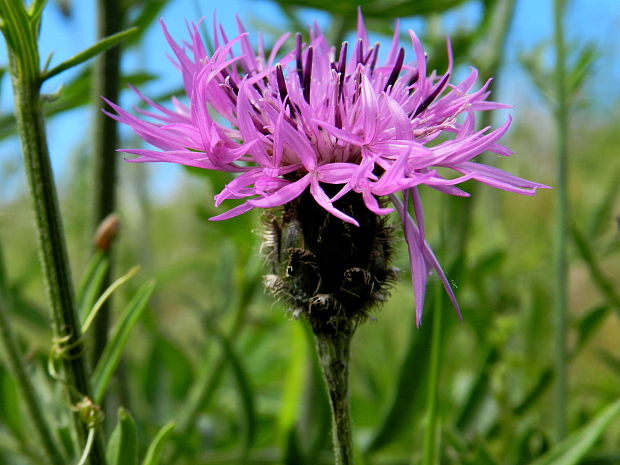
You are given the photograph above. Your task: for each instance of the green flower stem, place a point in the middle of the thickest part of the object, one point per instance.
(31, 402)
(25, 75)
(106, 82)
(334, 354)
(430, 448)
(562, 226)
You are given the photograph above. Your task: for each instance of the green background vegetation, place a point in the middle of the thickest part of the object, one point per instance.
(214, 353)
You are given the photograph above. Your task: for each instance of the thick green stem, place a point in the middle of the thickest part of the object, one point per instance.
(562, 226)
(334, 354)
(106, 82)
(31, 402)
(25, 77)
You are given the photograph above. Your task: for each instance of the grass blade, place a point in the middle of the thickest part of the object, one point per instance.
(90, 52)
(588, 324)
(153, 454)
(572, 449)
(91, 283)
(123, 445)
(106, 295)
(584, 249)
(111, 355)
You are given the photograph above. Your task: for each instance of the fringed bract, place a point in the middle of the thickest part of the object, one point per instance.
(330, 272)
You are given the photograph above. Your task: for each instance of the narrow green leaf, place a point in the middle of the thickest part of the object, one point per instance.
(153, 454)
(106, 295)
(542, 384)
(123, 444)
(379, 9)
(36, 9)
(113, 351)
(149, 13)
(603, 215)
(572, 449)
(605, 285)
(611, 360)
(10, 413)
(99, 47)
(589, 323)
(90, 284)
(246, 395)
(581, 70)
(20, 36)
(66, 440)
(36, 13)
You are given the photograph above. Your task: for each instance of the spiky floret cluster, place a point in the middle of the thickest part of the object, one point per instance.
(294, 122)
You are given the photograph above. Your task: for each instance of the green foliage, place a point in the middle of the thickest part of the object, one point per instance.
(246, 395)
(123, 444)
(153, 453)
(210, 352)
(111, 356)
(380, 9)
(573, 449)
(90, 52)
(10, 405)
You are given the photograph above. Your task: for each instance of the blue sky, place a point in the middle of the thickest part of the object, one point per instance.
(532, 25)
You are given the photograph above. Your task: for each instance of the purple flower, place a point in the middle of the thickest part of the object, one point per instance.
(315, 115)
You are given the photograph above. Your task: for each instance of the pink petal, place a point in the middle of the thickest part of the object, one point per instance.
(323, 200)
(283, 195)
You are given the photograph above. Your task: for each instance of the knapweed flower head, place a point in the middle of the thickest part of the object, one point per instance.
(316, 124)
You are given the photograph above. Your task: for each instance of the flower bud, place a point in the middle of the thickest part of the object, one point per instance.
(106, 232)
(331, 272)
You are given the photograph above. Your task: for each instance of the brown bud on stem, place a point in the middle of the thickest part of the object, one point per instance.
(106, 232)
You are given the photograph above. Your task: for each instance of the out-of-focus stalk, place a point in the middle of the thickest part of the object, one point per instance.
(562, 224)
(106, 82)
(430, 449)
(42, 430)
(21, 34)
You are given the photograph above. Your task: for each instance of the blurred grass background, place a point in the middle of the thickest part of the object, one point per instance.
(214, 351)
